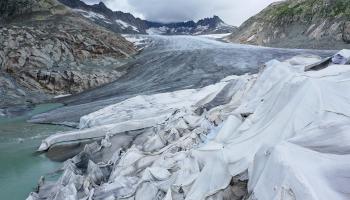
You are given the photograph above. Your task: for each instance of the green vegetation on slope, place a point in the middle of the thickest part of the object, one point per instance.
(308, 9)
(13, 8)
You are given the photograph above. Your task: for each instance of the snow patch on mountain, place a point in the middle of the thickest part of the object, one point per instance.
(93, 16)
(90, 14)
(126, 25)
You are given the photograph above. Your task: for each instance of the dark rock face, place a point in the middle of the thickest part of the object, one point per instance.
(211, 22)
(57, 54)
(321, 24)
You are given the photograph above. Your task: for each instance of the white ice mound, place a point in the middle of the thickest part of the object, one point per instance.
(284, 130)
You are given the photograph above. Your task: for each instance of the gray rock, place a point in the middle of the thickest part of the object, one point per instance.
(53, 56)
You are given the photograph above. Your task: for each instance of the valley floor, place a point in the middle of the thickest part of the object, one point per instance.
(192, 111)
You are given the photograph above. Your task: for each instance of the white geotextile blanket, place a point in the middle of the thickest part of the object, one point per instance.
(296, 142)
(287, 131)
(342, 57)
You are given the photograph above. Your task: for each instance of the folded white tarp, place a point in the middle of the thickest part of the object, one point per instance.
(285, 130)
(342, 57)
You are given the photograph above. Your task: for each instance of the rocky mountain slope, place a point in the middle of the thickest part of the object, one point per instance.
(121, 22)
(46, 50)
(118, 21)
(321, 24)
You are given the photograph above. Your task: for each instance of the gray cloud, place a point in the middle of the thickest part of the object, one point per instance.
(232, 11)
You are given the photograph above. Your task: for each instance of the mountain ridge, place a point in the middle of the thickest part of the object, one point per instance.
(126, 23)
(209, 25)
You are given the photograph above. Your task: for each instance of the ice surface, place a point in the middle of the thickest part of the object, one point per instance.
(157, 31)
(215, 36)
(167, 64)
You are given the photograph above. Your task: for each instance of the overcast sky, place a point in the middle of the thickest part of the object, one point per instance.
(233, 12)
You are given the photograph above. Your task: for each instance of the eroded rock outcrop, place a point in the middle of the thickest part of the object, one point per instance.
(57, 53)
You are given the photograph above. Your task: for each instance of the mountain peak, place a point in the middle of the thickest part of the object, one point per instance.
(102, 5)
(216, 17)
(211, 21)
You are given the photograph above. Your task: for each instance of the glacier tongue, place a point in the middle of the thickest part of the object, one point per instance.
(284, 130)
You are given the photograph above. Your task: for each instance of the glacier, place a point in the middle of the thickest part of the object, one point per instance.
(281, 134)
